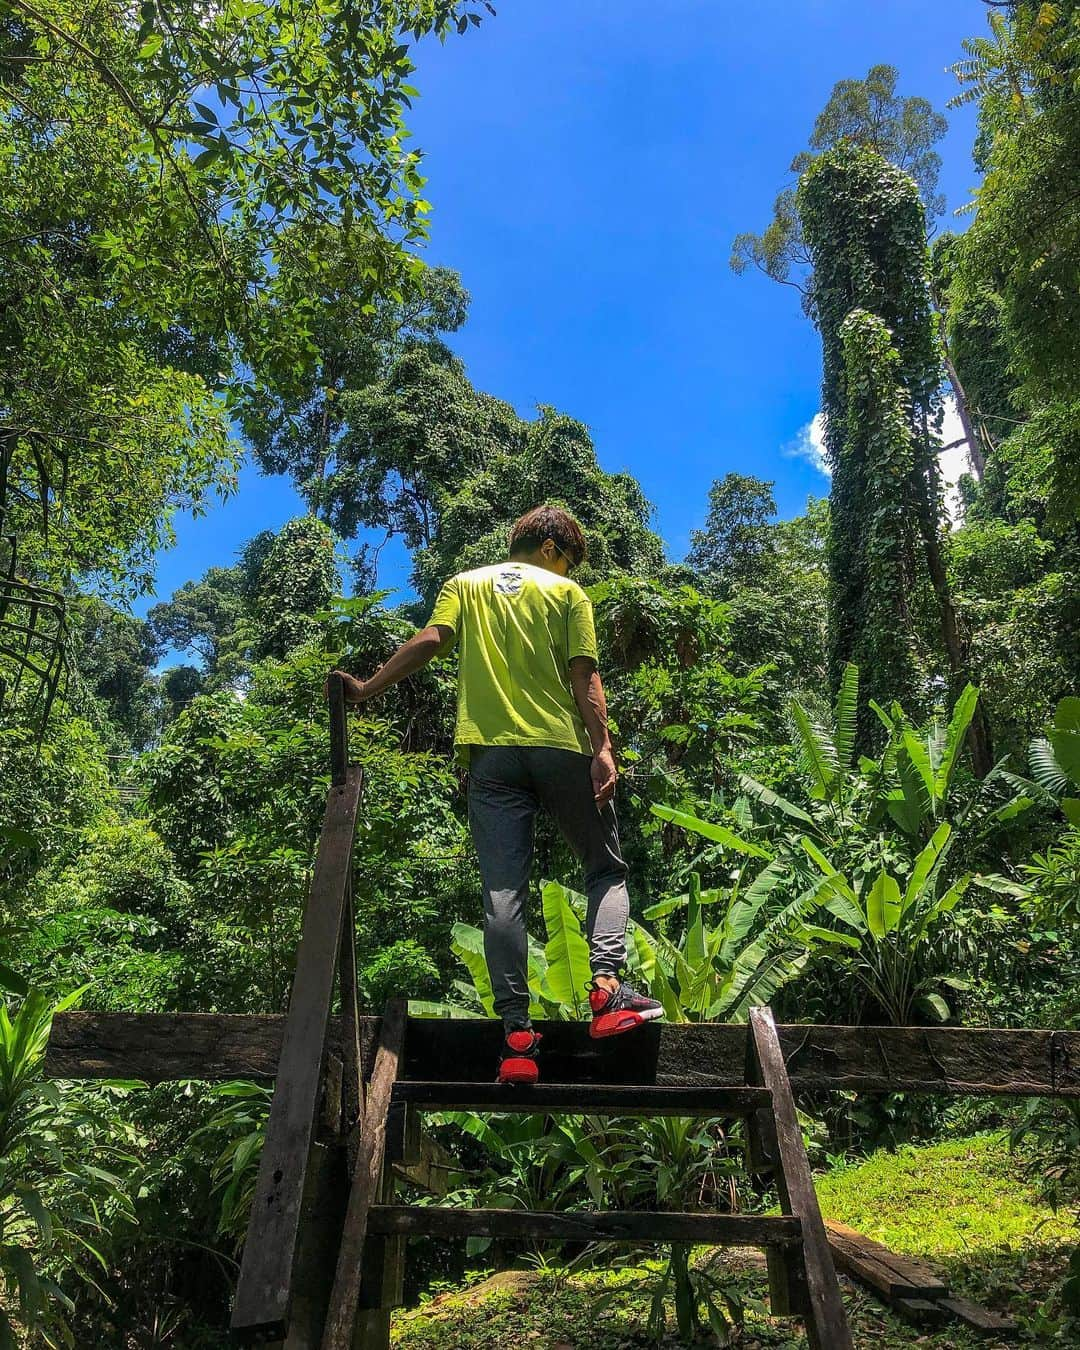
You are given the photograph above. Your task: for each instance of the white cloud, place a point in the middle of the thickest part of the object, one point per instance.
(809, 444)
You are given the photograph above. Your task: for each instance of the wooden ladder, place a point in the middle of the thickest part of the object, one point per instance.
(324, 1257)
(369, 1268)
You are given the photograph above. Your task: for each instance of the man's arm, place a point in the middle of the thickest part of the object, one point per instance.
(410, 657)
(588, 691)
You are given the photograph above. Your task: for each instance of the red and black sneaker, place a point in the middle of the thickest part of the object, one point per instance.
(517, 1064)
(623, 1010)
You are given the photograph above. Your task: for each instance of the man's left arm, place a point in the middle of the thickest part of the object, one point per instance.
(410, 657)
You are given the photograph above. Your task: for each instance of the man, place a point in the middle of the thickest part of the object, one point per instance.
(532, 730)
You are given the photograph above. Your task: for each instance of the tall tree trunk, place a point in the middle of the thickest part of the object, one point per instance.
(974, 438)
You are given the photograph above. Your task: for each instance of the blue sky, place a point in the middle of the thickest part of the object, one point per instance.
(589, 165)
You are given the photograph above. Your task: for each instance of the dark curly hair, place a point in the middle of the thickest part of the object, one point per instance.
(548, 522)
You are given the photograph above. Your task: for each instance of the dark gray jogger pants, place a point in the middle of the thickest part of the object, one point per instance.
(507, 784)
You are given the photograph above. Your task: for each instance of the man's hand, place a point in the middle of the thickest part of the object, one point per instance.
(355, 690)
(604, 776)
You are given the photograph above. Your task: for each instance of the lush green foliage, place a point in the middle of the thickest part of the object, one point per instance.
(175, 272)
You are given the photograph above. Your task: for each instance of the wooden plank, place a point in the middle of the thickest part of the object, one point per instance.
(265, 1286)
(322, 1217)
(826, 1321)
(436, 1170)
(923, 1312)
(352, 1087)
(589, 1098)
(892, 1275)
(976, 1061)
(382, 1267)
(339, 730)
(366, 1181)
(980, 1318)
(729, 1230)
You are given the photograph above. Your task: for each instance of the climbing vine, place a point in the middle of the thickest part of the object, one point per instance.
(871, 544)
(865, 230)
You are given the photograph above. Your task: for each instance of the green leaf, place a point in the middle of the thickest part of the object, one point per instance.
(846, 714)
(810, 930)
(1065, 736)
(151, 46)
(936, 1004)
(767, 797)
(919, 755)
(963, 712)
(567, 952)
(816, 753)
(13, 982)
(1071, 807)
(1045, 768)
(695, 924)
(925, 864)
(883, 905)
(719, 834)
(467, 944)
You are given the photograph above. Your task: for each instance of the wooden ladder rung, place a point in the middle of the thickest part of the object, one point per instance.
(584, 1098)
(729, 1230)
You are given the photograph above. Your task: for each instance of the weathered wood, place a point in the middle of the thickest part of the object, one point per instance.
(382, 1266)
(583, 1098)
(162, 1047)
(265, 1286)
(367, 1179)
(891, 1274)
(980, 1318)
(339, 730)
(352, 1089)
(734, 1230)
(436, 1170)
(788, 1294)
(330, 1102)
(945, 1060)
(322, 1215)
(826, 1321)
(923, 1312)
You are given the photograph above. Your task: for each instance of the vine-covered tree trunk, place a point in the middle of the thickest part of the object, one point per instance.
(864, 225)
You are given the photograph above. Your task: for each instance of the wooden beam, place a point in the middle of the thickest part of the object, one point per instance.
(826, 1320)
(730, 1230)
(265, 1287)
(890, 1274)
(584, 1099)
(968, 1061)
(366, 1181)
(436, 1170)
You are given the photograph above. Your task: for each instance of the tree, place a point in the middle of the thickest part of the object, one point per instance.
(295, 423)
(297, 581)
(859, 112)
(165, 187)
(902, 130)
(114, 656)
(865, 227)
(729, 550)
(1024, 242)
(201, 617)
(447, 468)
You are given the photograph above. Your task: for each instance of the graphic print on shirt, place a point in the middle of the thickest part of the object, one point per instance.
(509, 581)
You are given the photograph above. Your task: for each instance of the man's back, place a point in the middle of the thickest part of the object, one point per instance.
(518, 626)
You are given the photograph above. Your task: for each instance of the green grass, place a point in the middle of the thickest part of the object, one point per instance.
(965, 1206)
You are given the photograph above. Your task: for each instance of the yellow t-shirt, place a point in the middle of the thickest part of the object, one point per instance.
(517, 628)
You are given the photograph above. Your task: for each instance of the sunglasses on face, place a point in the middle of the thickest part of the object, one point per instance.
(570, 563)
